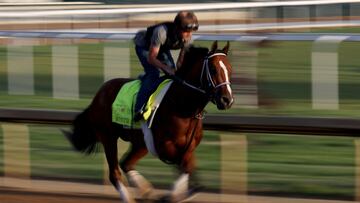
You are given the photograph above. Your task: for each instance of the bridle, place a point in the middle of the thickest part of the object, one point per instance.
(210, 87)
(205, 71)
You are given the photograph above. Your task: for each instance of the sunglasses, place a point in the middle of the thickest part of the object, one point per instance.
(191, 27)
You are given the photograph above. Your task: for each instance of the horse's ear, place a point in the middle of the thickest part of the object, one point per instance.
(226, 48)
(214, 46)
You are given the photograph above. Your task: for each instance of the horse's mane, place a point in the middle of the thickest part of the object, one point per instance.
(192, 55)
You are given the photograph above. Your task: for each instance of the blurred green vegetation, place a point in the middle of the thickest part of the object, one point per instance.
(283, 77)
(52, 157)
(285, 165)
(279, 165)
(316, 166)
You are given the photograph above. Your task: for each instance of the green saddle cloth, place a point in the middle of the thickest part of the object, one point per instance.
(123, 105)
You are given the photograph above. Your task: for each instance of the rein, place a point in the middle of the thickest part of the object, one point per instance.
(183, 82)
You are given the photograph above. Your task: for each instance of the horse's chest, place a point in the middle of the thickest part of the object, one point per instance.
(173, 148)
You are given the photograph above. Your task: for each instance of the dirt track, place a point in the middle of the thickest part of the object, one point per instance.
(14, 190)
(14, 196)
(11, 196)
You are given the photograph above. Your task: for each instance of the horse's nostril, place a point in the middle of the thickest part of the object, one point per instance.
(225, 100)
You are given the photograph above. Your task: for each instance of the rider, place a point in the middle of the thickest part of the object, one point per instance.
(153, 47)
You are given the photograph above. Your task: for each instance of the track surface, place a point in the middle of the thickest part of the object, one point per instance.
(10, 196)
(13, 190)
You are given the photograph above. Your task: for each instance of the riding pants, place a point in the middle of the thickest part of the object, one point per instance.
(151, 79)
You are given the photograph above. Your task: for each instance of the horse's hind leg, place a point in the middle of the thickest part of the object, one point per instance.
(136, 151)
(110, 148)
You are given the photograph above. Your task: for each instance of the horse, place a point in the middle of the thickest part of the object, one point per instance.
(204, 76)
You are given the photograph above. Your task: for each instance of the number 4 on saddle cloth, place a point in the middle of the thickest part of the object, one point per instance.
(123, 105)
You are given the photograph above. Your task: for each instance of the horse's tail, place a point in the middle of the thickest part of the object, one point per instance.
(82, 137)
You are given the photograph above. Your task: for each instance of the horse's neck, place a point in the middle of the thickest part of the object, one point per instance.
(186, 100)
(183, 97)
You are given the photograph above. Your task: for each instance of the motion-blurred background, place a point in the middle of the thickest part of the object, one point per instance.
(291, 60)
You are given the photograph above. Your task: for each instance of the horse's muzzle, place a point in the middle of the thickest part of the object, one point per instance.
(223, 100)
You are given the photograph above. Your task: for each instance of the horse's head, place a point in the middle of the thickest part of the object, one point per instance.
(216, 74)
(210, 73)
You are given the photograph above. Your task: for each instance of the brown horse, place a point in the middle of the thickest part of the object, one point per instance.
(177, 127)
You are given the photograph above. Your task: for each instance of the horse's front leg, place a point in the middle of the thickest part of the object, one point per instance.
(182, 189)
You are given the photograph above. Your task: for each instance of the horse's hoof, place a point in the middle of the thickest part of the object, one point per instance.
(195, 189)
(147, 193)
(164, 199)
(184, 197)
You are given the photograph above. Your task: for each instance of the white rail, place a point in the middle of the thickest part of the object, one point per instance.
(113, 35)
(171, 8)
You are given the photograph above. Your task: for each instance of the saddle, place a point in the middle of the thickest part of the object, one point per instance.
(123, 105)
